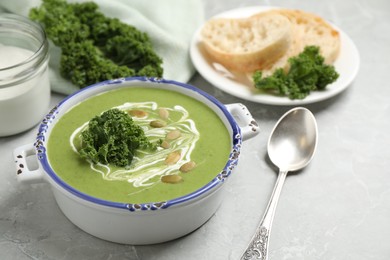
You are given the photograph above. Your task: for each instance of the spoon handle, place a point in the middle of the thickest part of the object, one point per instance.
(258, 247)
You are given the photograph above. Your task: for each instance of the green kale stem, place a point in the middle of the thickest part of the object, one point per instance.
(307, 73)
(95, 47)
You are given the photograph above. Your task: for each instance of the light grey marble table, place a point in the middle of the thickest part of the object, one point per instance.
(337, 208)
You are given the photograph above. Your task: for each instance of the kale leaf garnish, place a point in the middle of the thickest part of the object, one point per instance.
(307, 73)
(113, 137)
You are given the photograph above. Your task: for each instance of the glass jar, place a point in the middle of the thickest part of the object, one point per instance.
(24, 76)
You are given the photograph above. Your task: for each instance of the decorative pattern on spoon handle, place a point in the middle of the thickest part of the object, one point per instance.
(257, 249)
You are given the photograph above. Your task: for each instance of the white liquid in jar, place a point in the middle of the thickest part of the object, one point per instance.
(11, 56)
(23, 104)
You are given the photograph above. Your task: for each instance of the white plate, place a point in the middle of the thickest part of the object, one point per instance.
(347, 65)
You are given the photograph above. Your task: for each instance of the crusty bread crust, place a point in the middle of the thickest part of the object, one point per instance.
(248, 44)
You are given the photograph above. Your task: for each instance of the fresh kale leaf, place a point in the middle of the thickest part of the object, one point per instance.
(307, 73)
(95, 47)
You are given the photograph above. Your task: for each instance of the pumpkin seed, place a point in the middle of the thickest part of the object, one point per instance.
(171, 179)
(137, 113)
(163, 113)
(172, 135)
(172, 158)
(165, 144)
(188, 166)
(157, 123)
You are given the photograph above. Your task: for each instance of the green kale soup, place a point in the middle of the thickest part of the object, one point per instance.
(193, 147)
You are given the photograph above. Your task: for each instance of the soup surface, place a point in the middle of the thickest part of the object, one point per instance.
(203, 139)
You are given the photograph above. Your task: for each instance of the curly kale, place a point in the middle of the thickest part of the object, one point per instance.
(95, 47)
(307, 73)
(113, 137)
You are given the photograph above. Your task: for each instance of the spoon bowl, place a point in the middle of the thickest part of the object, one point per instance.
(291, 147)
(293, 140)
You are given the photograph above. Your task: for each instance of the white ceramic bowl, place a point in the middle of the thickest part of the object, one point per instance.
(137, 223)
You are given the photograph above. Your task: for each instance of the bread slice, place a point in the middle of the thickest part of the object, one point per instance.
(312, 30)
(315, 31)
(308, 29)
(248, 44)
(296, 46)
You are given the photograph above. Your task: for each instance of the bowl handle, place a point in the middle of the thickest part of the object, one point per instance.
(248, 125)
(24, 173)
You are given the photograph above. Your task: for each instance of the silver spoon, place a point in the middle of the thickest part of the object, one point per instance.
(291, 147)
